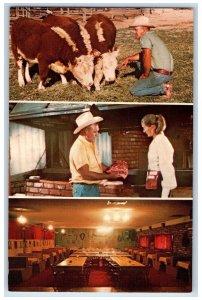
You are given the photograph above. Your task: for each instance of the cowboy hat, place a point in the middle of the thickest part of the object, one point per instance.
(141, 21)
(85, 120)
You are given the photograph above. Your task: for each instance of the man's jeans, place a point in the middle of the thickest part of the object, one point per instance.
(85, 190)
(152, 85)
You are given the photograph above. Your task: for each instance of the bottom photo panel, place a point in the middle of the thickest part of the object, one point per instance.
(113, 246)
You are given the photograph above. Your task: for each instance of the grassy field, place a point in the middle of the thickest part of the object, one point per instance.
(180, 43)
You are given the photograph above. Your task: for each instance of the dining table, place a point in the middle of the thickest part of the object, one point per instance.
(76, 263)
(131, 272)
(183, 264)
(165, 259)
(99, 253)
(123, 261)
(184, 267)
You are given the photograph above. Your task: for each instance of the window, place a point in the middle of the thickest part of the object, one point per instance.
(26, 142)
(163, 242)
(104, 145)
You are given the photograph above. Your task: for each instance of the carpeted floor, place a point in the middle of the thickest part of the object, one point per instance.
(43, 279)
(99, 277)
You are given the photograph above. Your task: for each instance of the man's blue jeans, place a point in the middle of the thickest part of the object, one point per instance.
(152, 85)
(85, 190)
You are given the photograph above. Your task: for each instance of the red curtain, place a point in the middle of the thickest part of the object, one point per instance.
(31, 232)
(37, 232)
(14, 231)
(50, 235)
(144, 241)
(163, 242)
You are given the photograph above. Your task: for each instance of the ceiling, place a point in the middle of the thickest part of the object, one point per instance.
(77, 213)
(62, 115)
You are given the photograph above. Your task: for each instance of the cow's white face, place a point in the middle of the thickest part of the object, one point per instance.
(110, 64)
(83, 70)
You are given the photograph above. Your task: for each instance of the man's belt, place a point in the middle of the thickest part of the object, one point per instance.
(162, 71)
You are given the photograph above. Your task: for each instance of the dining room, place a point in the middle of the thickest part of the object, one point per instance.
(99, 245)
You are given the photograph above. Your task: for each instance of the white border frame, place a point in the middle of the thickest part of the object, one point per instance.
(197, 158)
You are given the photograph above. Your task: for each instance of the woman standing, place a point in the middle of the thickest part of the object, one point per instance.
(160, 157)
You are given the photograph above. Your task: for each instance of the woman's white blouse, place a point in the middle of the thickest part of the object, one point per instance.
(160, 158)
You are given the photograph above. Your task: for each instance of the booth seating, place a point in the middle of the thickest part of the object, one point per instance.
(59, 253)
(52, 256)
(37, 262)
(19, 269)
(46, 258)
(45, 255)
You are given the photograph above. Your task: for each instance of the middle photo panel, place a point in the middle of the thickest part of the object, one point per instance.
(101, 150)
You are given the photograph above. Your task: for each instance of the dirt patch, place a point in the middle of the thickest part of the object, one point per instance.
(161, 18)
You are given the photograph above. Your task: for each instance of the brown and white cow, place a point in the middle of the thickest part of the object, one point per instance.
(71, 27)
(51, 48)
(102, 33)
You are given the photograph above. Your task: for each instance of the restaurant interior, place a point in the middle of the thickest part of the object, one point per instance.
(107, 245)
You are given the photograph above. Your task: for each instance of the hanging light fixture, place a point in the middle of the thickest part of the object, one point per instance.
(117, 215)
(107, 218)
(22, 220)
(50, 227)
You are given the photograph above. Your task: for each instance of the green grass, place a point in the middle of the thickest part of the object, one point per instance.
(180, 43)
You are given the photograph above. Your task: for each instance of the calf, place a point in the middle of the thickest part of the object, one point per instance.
(102, 33)
(52, 48)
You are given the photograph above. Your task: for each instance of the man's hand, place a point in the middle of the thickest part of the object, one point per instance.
(90, 175)
(115, 176)
(124, 63)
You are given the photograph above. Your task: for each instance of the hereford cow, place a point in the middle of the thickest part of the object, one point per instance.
(52, 48)
(71, 26)
(102, 35)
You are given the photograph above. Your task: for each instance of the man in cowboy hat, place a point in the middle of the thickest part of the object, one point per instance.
(154, 64)
(85, 164)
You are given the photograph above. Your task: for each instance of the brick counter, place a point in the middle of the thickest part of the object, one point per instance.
(48, 188)
(64, 189)
(118, 191)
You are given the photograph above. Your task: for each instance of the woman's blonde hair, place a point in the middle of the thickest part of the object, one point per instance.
(157, 120)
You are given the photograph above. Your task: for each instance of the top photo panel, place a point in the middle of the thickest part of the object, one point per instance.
(101, 54)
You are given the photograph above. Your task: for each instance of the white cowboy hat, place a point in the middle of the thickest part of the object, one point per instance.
(141, 21)
(85, 120)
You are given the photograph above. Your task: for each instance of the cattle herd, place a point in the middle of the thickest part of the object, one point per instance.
(63, 45)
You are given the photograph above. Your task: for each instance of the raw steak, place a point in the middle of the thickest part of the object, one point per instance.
(119, 167)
